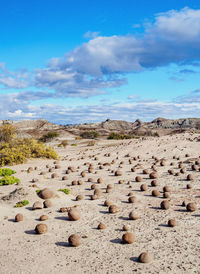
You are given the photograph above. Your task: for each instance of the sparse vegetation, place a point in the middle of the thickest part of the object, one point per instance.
(74, 145)
(22, 203)
(17, 152)
(7, 132)
(89, 134)
(38, 191)
(65, 190)
(118, 136)
(49, 136)
(6, 172)
(9, 180)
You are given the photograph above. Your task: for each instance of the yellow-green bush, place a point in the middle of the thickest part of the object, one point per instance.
(17, 151)
(65, 190)
(22, 203)
(7, 132)
(9, 180)
(6, 172)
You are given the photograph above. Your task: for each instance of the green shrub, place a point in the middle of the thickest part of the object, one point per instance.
(118, 136)
(65, 190)
(38, 191)
(6, 172)
(17, 152)
(73, 145)
(49, 136)
(89, 134)
(9, 180)
(59, 145)
(22, 203)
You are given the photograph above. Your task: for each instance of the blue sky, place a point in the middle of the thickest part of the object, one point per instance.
(85, 61)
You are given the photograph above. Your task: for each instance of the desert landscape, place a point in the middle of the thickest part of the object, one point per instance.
(100, 137)
(122, 198)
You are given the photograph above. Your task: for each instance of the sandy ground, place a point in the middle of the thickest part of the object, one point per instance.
(175, 250)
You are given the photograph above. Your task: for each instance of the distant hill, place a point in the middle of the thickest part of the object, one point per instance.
(160, 126)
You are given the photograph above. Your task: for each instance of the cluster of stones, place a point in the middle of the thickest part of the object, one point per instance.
(150, 173)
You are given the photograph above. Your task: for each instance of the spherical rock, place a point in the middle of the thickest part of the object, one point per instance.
(154, 183)
(132, 199)
(133, 216)
(34, 180)
(74, 183)
(94, 186)
(190, 177)
(143, 187)
(42, 173)
(113, 209)
(94, 197)
(166, 195)
(83, 174)
(138, 179)
(191, 207)
(64, 178)
(101, 226)
(80, 182)
(171, 171)
(189, 186)
(155, 193)
(41, 228)
(74, 240)
(166, 189)
(107, 203)
(98, 192)
(110, 186)
(165, 205)
(99, 180)
(126, 228)
(172, 223)
(153, 175)
(37, 205)
(118, 173)
(54, 175)
(183, 170)
(74, 214)
(163, 163)
(128, 238)
(46, 193)
(47, 203)
(79, 197)
(145, 258)
(43, 217)
(146, 171)
(133, 169)
(177, 173)
(19, 217)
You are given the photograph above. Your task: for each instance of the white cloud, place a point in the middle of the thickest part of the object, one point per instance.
(10, 79)
(173, 37)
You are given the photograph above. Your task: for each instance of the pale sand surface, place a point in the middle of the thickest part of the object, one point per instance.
(175, 250)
